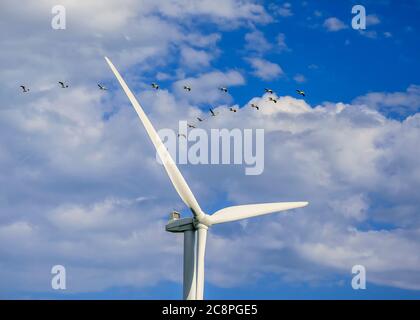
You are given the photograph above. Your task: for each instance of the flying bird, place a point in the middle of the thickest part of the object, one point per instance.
(187, 88)
(102, 87)
(213, 114)
(301, 92)
(191, 126)
(233, 109)
(63, 85)
(24, 89)
(272, 99)
(155, 86)
(224, 89)
(268, 91)
(253, 105)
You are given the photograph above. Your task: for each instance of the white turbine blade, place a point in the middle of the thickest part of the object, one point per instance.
(201, 251)
(251, 210)
(177, 179)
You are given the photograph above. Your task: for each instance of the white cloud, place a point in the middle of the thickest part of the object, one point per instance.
(299, 78)
(281, 42)
(372, 19)
(317, 13)
(162, 76)
(203, 40)
(195, 59)
(402, 103)
(334, 24)
(227, 11)
(284, 10)
(265, 69)
(99, 216)
(372, 34)
(205, 87)
(256, 41)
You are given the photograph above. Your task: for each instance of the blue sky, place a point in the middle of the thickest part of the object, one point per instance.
(80, 185)
(352, 69)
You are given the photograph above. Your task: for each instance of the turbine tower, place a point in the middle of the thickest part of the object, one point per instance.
(195, 228)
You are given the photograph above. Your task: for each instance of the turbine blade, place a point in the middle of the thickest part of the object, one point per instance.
(251, 210)
(201, 251)
(176, 177)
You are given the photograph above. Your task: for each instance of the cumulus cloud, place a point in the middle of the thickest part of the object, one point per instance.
(334, 24)
(284, 10)
(265, 69)
(372, 19)
(195, 59)
(372, 34)
(256, 41)
(299, 78)
(317, 13)
(398, 103)
(281, 42)
(225, 11)
(205, 87)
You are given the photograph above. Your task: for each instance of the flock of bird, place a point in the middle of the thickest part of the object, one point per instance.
(63, 85)
(214, 113)
(187, 88)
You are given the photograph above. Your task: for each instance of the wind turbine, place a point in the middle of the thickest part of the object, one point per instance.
(195, 228)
